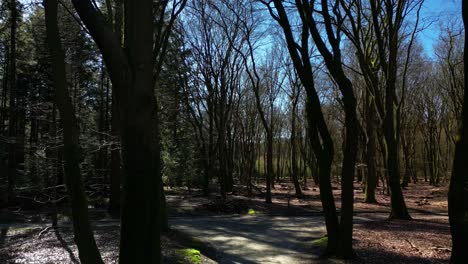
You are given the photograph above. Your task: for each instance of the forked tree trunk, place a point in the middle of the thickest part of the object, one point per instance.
(388, 54)
(131, 72)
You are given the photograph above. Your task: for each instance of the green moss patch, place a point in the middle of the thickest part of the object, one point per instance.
(321, 242)
(190, 254)
(251, 212)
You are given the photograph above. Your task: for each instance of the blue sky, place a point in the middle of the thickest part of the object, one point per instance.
(438, 12)
(435, 14)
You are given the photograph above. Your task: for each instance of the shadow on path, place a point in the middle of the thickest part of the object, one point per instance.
(256, 239)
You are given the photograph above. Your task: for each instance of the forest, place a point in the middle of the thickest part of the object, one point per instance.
(233, 131)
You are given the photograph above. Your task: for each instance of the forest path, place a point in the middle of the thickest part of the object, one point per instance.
(252, 239)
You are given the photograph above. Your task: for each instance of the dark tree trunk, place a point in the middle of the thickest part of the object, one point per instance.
(3, 100)
(115, 169)
(328, 201)
(458, 190)
(269, 165)
(345, 245)
(131, 72)
(399, 210)
(278, 162)
(12, 126)
(222, 173)
(398, 205)
(83, 234)
(320, 138)
(33, 141)
(332, 58)
(294, 169)
(388, 48)
(406, 154)
(371, 155)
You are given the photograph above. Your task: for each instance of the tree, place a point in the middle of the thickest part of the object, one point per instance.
(217, 73)
(83, 233)
(387, 20)
(458, 192)
(339, 234)
(255, 76)
(131, 73)
(294, 97)
(12, 121)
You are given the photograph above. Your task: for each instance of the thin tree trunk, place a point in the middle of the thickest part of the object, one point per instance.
(5, 81)
(12, 126)
(269, 165)
(293, 140)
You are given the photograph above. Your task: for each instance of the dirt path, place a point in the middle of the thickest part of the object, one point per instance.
(256, 239)
(289, 239)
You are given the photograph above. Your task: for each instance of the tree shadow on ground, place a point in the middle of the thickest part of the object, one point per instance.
(65, 246)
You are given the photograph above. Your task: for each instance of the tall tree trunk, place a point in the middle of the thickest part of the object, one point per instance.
(371, 155)
(271, 143)
(406, 153)
(458, 190)
(293, 140)
(3, 100)
(345, 245)
(388, 49)
(131, 72)
(278, 162)
(12, 126)
(83, 234)
(398, 205)
(222, 173)
(324, 153)
(140, 228)
(33, 140)
(115, 169)
(269, 165)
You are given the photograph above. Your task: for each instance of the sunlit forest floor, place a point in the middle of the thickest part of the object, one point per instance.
(26, 238)
(426, 239)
